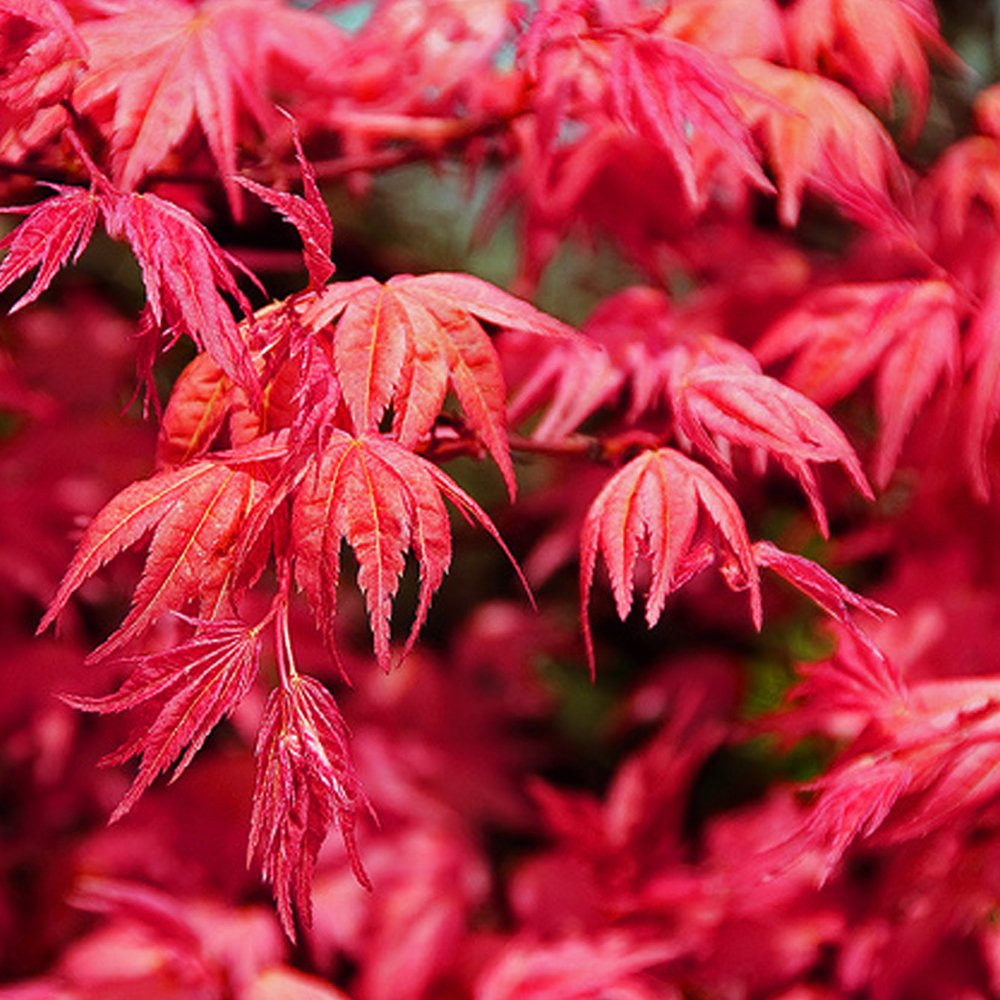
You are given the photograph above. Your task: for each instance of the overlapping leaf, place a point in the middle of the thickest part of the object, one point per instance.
(675, 94)
(305, 784)
(820, 137)
(872, 45)
(198, 405)
(40, 54)
(156, 69)
(404, 343)
(666, 508)
(905, 331)
(384, 501)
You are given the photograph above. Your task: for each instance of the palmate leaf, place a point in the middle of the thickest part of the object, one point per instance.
(195, 514)
(672, 511)
(196, 684)
(904, 332)
(55, 230)
(158, 69)
(671, 93)
(305, 783)
(405, 342)
(384, 501)
(189, 279)
(820, 137)
(731, 404)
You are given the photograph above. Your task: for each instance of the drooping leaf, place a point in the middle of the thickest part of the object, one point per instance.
(821, 587)
(666, 508)
(984, 403)
(185, 274)
(819, 137)
(873, 46)
(195, 685)
(305, 783)
(54, 230)
(384, 501)
(381, 499)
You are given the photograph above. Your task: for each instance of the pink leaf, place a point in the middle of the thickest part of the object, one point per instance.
(54, 230)
(305, 784)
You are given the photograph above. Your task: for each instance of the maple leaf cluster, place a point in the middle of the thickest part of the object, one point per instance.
(354, 528)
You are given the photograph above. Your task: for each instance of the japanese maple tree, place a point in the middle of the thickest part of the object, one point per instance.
(364, 365)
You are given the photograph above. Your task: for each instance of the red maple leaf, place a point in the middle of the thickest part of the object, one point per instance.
(157, 69)
(405, 342)
(719, 405)
(904, 332)
(384, 501)
(669, 509)
(818, 136)
(872, 45)
(309, 215)
(55, 230)
(189, 279)
(40, 54)
(195, 514)
(681, 99)
(195, 685)
(305, 783)
(199, 403)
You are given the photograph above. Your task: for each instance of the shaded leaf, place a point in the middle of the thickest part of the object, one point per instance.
(194, 414)
(41, 53)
